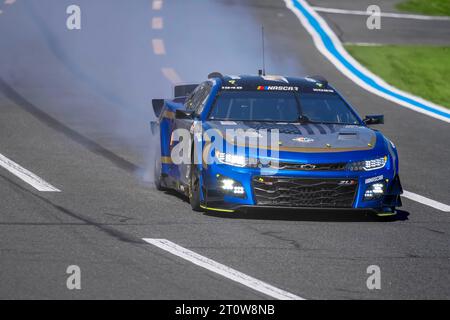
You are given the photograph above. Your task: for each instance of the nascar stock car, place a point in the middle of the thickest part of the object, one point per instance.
(322, 155)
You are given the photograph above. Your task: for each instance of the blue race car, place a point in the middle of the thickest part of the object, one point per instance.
(214, 147)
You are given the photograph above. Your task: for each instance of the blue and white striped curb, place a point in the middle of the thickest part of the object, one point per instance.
(331, 47)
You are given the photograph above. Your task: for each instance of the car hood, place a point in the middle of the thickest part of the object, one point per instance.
(302, 137)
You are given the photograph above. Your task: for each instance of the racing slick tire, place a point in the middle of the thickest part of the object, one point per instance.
(194, 189)
(157, 177)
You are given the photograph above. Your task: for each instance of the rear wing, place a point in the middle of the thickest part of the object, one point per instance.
(184, 90)
(158, 105)
(180, 92)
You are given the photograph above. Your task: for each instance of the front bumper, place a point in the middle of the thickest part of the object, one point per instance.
(330, 190)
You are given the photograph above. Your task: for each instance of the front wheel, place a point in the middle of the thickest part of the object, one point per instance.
(194, 189)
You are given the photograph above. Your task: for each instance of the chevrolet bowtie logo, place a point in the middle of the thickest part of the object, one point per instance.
(308, 166)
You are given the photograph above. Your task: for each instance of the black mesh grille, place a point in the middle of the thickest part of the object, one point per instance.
(295, 192)
(312, 167)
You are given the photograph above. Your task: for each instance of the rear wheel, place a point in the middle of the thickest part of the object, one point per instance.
(157, 176)
(194, 188)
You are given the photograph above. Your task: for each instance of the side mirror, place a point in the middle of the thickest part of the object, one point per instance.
(183, 114)
(374, 119)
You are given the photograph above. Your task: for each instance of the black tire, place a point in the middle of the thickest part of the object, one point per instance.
(194, 188)
(157, 176)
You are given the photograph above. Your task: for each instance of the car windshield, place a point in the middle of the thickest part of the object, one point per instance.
(278, 106)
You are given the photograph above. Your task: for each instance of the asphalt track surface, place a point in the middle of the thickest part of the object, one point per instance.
(352, 28)
(74, 110)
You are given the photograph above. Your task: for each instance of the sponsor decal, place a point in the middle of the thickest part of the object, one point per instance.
(233, 82)
(323, 90)
(231, 88)
(303, 139)
(320, 85)
(276, 88)
(374, 179)
(228, 123)
(347, 182)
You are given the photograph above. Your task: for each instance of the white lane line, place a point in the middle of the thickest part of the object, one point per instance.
(157, 23)
(223, 270)
(426, 201)
(331, 47)
(26, 175)
(9, 1)
(171, 75)
(157, 5)
(158, 47)
(382, 14)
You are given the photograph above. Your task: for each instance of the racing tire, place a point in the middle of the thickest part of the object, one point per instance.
(158, 177)
(194, 189)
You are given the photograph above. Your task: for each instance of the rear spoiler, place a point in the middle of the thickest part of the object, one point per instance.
(184, 90)
(158, 105)
(180, 91)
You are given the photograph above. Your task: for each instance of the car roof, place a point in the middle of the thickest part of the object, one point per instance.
(254, 82)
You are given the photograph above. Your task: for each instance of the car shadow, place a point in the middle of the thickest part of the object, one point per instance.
(309, 215)
(284, 214)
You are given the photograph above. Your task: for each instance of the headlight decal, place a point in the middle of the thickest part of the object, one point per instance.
(243, 161)
(230, 186)
(231, 159)
(368, 165)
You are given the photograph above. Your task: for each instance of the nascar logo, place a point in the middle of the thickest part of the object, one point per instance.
(303, 139)
(276, 88)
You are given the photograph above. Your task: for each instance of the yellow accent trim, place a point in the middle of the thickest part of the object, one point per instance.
(386, 214)
(168, 115)
(301, 149)
(166, 160)
(216, 209)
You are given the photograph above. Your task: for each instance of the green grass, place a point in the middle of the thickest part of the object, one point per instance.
(429, 7)
(421, 70)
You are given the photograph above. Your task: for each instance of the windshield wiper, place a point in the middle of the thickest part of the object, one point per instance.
(304, 119)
